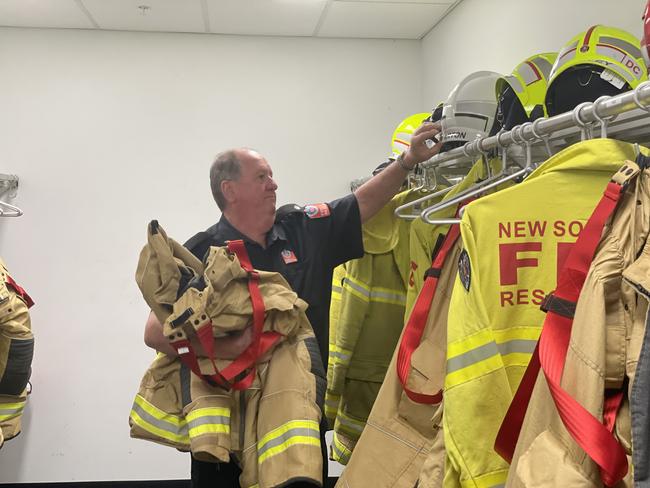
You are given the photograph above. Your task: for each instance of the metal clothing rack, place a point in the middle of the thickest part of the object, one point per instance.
(9, 187)
(625, 116)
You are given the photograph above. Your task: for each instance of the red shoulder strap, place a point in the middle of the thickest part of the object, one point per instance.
(19, 290)
(417, 321)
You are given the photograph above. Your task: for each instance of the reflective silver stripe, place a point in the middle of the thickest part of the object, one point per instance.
(564, 59)
(161, 424)
(357, 287)
(337, 451)
(488, 350)
(568, 49)
(370, 294)
(10, 412)
(543, 65)
(209, 419)
(336, 289)
(333, 403)
(397, 297)
(471, 357)
(629, 48)
(613, 53)
(528, 74)
(281, 439)
(517, 345)
(345, 422)
(340, 355)
(342, 455)
(514, 83)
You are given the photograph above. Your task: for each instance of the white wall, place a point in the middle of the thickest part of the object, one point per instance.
(108, 130)
(497, 35)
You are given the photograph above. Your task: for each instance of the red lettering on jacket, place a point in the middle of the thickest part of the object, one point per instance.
(509, 263)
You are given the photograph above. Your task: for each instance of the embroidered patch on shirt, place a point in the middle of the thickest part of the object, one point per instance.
(288, 256)
(317, 211)
(464, 269)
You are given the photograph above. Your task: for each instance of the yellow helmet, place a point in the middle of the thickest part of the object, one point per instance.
(606, 53)
(402, 136)
(529, 80)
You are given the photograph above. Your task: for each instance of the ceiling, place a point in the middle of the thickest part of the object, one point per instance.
(384, 19)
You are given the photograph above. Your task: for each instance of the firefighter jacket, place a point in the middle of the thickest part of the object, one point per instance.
(371, 317)
(608, 328)
(425, 239)
(514, 241)
(400, 434)
(16, 353)
(332, 400)
(272, 426)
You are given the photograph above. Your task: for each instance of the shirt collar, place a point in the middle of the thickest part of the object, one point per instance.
(230, 233)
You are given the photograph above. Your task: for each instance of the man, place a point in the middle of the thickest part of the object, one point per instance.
(304, 245)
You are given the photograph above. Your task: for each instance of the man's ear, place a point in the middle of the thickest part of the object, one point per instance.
(228, 190)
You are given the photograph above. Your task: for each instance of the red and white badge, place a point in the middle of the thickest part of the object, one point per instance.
(289, 257)
(317, 211)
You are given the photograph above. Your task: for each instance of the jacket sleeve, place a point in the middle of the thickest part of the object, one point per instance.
(332, 399)
(355, 301)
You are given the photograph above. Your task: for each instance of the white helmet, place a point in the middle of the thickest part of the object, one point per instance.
(470, 109)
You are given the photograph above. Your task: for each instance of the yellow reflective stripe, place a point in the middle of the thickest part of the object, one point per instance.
(157, 413)
(209, 420)
(349, 426)
(517, 359)
(153, 420)
(492, 480)
(387, 295)
(513, 333)
(377, 294)
(356, 288)
(340, 355)
(470, 342)
(489, 350)
(332, 401)
(295, 432)
(11, 410)
(340, 453)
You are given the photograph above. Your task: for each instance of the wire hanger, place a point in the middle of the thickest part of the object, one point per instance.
(502, 177)
(9, 184)
(8, 210)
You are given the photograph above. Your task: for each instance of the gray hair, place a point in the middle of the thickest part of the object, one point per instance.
(226, 166)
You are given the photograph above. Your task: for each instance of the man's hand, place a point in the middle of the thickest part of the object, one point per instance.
(377, 192)
(230, 346)
(418, 150)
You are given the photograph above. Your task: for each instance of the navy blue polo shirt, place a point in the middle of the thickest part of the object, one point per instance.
(304, 246)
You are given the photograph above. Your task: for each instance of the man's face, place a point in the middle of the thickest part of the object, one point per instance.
(254, 191)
